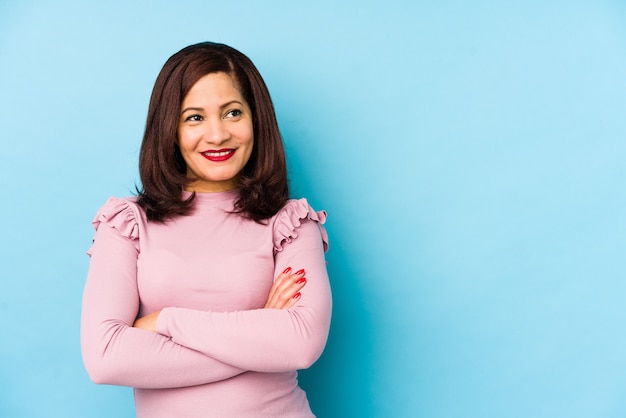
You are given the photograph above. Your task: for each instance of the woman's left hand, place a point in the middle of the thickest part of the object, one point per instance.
(285, 291)
(147, 322)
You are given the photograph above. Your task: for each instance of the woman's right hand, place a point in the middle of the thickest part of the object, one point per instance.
(285, 291)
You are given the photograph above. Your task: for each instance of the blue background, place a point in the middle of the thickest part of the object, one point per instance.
(470, 155)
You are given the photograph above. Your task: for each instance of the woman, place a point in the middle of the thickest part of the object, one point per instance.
(209, 290)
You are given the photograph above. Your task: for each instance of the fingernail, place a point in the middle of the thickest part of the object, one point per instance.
(300, 271)
(287, 270)
(302, 280)
(296, 296)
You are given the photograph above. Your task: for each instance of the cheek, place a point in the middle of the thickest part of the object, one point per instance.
(248, 153)
(250, 146)
(248, 134)
(185, 143)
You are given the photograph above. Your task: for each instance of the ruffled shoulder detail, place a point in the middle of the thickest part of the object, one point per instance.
(119, 214)
(289, 219)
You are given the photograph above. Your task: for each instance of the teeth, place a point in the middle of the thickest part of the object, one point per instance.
(217, 154)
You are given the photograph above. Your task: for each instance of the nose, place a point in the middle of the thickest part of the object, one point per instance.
(216, 132)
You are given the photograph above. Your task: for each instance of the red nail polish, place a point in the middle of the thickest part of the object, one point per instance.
(301, 280)
(287, 270)
(300, 271)
(296, 296)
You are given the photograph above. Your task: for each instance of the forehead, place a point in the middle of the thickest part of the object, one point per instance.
(214, 87)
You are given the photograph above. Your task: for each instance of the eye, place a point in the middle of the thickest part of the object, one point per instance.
(234, 113)
(193, 118)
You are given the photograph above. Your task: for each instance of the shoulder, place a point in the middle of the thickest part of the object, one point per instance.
(122, 214)
(292, 217)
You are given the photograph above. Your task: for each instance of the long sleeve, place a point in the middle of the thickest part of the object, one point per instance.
(113, 351)
(268, 340)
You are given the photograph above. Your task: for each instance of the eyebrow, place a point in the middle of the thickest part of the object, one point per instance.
(195, 109)
(200, 109)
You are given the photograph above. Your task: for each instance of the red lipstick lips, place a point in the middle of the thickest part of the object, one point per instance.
(218, 155)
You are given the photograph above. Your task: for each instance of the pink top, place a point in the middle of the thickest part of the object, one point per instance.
(216, 352)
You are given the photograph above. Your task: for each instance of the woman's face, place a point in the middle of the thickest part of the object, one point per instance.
(215, 133)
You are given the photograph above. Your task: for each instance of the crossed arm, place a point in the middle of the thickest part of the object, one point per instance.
(283, 294)
(188, 347)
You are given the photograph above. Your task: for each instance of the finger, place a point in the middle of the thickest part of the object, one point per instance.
(276, 285)
(288, 287)
(284, 281)
(285, 296)
(274, 293)
(284, 289)
(291, 302)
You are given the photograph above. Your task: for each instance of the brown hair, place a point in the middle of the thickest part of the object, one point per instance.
(262, 188)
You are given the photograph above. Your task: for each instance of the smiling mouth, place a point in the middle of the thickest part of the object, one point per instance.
(219, 155)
